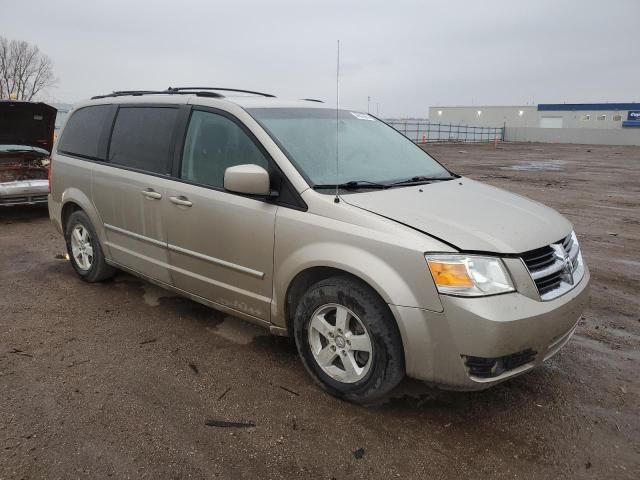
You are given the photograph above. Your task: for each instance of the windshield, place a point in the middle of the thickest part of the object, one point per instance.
(369, 150)
(22, 148)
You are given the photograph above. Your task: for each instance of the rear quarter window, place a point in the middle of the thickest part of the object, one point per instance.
(142, 137)
(84, 132)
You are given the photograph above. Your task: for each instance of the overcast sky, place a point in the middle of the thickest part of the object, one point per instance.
(406, 55)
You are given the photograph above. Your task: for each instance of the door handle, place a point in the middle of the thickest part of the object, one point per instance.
(151, 193)
(181, 200)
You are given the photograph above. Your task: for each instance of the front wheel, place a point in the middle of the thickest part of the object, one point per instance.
(348, 340)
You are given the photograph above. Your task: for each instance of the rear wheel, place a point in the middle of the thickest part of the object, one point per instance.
(348, 340)
(84, 249)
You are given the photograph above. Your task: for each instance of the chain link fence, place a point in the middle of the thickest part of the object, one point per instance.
(427, 132)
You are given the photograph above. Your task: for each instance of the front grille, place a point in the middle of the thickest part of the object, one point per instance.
(22, 199)
(483, 367)
(539, 258)
(555, 268)
(548, 283)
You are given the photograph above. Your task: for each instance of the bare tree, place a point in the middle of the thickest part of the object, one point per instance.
(24, 70)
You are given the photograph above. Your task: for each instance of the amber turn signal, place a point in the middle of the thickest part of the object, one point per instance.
(450, 274)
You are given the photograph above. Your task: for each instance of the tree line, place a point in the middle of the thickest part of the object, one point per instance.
(24, 70)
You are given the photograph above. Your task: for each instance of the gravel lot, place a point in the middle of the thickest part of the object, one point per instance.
(118, 379)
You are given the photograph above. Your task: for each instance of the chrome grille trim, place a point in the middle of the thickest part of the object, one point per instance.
(555, 268)
(557, 264)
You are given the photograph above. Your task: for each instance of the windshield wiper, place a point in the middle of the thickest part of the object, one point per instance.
(420, 180)
(352, 185)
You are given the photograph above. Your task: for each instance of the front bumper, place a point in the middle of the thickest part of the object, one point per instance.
(24, 192)
(437, 343)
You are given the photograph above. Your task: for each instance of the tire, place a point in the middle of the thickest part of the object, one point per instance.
(368, 376)
(90, 249)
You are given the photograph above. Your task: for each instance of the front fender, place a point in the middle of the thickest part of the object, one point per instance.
(392, 267)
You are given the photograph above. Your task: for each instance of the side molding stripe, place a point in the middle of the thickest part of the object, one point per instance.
(217, 261)
(137, 236)
(175, 248)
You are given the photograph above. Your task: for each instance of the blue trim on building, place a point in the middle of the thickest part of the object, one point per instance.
(631, 123)
(570, 107)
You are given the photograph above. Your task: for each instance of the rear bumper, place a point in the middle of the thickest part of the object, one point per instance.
(24, 192)
(438, 345)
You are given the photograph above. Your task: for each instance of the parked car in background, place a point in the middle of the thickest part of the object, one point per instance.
(26, 140)
(379, 263)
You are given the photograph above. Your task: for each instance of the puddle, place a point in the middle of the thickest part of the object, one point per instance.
(153, 294)
(238, 331)
(537, 165)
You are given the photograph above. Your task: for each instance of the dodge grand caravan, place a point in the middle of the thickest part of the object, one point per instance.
(380, 264)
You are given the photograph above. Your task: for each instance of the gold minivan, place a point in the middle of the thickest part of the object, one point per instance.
(321, 224)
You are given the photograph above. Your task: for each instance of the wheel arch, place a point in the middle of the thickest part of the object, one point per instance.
(304, 279)
(67, 209)
(386, 371)
(74, 199)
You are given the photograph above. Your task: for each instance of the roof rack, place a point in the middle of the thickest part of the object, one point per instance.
(138, 93)
(221, 89)
(199, 91)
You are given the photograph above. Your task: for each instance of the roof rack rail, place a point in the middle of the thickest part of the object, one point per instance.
(312, 100)
(137, 93)
(221, 89)
(199, 91)
(119, 93)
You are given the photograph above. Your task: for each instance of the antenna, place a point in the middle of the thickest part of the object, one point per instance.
(337, 199)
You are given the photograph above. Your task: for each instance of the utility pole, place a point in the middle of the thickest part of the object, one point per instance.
(368, 104)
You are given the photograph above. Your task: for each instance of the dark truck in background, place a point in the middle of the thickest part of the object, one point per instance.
(26, 140)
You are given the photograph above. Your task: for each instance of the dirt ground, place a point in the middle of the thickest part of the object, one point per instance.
(118, 379)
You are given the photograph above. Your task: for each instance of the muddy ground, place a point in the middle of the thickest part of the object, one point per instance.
(118, 379)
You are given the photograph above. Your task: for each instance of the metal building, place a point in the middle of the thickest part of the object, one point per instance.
(599, 123)
(544, 115)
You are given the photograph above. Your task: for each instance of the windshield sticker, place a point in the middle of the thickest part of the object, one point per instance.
(362, 116)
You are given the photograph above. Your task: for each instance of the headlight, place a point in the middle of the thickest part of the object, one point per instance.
(469, 275)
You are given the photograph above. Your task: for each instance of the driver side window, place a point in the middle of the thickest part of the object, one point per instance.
(213, 144)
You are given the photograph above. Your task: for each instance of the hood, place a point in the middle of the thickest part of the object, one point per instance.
(27, 123)
(469, 215)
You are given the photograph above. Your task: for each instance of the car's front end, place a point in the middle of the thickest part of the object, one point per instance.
(26, 140)
(508, 271)
(23, 175)
(481, 338)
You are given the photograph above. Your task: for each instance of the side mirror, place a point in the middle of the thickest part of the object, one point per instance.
(249, 179)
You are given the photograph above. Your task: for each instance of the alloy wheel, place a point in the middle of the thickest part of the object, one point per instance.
(81, 247)
(340, 343)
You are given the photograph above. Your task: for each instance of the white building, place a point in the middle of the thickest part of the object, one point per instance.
(562, 115)
(603, 123)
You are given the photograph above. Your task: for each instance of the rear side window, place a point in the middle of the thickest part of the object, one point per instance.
(84, 130)
(213, 144)
(141, 138)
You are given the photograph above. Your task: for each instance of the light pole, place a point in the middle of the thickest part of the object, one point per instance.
(368, 104)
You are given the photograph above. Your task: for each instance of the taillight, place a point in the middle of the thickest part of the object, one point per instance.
(49, 173)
